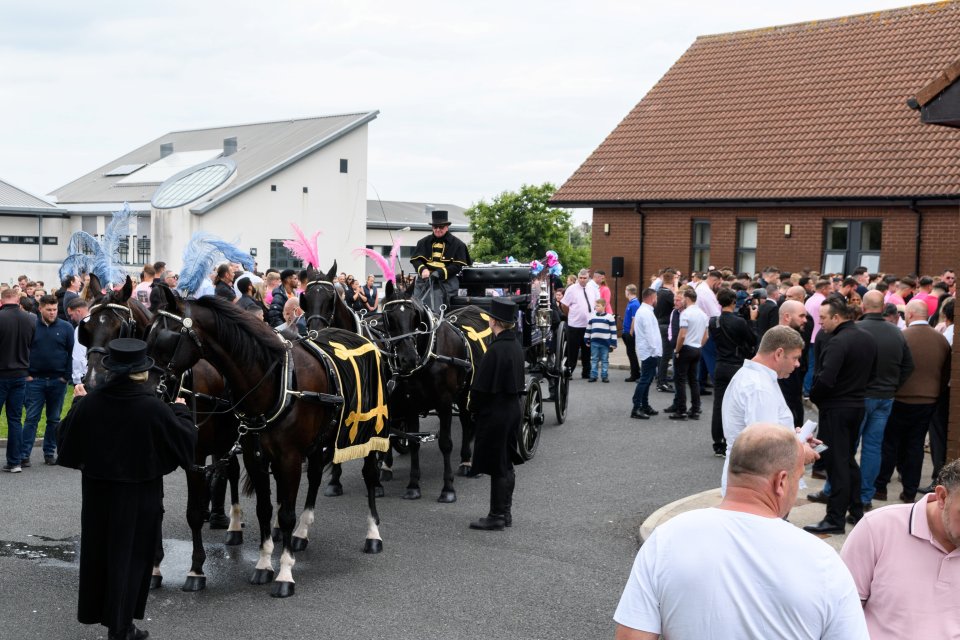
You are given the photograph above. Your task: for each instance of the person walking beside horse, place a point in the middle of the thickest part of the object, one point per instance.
(495, 398)
(124, 439)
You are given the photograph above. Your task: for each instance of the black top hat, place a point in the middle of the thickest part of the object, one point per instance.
(503, 310)
(127, 355)
(440, 218)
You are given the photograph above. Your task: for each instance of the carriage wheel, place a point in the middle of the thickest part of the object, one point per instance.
(532, 420)
(562, 392)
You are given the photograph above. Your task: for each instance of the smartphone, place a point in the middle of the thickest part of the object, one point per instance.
(820, 448)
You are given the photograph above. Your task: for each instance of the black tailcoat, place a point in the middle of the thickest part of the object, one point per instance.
(124, 440)
(496, 395)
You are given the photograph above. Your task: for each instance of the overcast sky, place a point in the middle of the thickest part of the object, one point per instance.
(474, 98)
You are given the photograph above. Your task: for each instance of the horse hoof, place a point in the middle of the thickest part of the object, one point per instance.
(373, 545)
(233, 538)
(333, 490)
(194, 583)
(378, 492)
(386, 475)
(219, 521)
(463, 470)
(156, 581)
(412, 494)
(275, 534)
(447, 497)
(297, 544)
(262, 576)
(282, 589)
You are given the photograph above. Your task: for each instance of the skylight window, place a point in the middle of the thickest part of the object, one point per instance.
(192, 184)
(125, 169)
(169, 166)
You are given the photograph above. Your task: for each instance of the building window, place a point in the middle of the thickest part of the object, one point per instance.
(281, 258)
(852, 243)
(701, 245)
(747, 246)
(51, 240)
(343, 165)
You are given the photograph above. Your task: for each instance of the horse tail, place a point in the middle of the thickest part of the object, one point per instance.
(248, 487)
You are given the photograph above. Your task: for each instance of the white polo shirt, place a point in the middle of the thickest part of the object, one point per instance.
(695, 322)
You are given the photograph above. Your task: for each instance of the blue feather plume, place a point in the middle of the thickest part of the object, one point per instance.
(75, 264)
(81, 240)
(201, 255)
(118, 229)
(232, 253)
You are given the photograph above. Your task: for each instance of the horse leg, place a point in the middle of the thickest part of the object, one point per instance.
(314, 475)
(413, 487)
(287, 474)
(261, 484)
(466, 449)
(218, 493)
(445, 413)
(386, 466)
(334, 488)
(373, 543)
(235, 529)
(196, 499)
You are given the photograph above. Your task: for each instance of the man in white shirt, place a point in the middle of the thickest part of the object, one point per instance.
(739, 570)
(649, 347)
(78, 310)
(754, 395)
(577, 303)
(707, 302)
(690, 340)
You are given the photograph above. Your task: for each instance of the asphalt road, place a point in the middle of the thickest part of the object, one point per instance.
(557, 573)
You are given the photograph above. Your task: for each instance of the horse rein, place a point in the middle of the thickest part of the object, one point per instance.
(128, 325)
(392, 341)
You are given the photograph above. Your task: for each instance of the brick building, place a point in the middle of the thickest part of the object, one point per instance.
(791, 146)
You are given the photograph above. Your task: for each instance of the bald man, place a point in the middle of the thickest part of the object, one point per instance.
(914, 403)
(794, 315)
(767, 580)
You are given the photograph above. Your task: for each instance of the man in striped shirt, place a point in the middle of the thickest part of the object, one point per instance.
(601, 335)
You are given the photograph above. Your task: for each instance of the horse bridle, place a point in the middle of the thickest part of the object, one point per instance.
(328, 322)
(393, 341)
(128, 324)
(186, 331)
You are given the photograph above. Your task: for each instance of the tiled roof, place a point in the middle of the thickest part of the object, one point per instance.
(14, 199)
(813, 110)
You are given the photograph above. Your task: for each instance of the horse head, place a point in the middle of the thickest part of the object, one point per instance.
(405, 322)
(112, 315)
(321, 303)
(172, 342)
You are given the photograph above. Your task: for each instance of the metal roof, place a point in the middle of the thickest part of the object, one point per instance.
(262, 150)
(390, 214)
(13, 200)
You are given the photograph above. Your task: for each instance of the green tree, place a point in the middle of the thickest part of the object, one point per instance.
(522, 224)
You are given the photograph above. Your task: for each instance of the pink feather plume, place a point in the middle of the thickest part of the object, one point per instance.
(388, 272)
(302, 248)
(394, 256)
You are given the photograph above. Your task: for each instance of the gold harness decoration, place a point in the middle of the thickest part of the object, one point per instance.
(478, 336)
(358, 415)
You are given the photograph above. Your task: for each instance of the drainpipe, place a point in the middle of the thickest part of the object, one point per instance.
(643, 241)
(913, 207)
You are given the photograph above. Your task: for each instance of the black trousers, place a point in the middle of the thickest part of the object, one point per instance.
(938, 434)
(575, 346)
(666, 358)
(792, 389)
(630, 344)
(687, 369)
(722, 376)
(903, 445)
(839, 430)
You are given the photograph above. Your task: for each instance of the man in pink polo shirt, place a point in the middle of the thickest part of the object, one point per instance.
(823, 287)
(906, 564)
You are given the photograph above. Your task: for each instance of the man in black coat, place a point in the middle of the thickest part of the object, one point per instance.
(124, 440)
(735, 342)
(438, 259)
(495, 400)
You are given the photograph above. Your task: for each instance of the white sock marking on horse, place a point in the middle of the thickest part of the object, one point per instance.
(373, 532)
(236, 518)
(266, 550)
(303, 527)
(156, 570)
(286, 567)
(276, 517)
(194, 574)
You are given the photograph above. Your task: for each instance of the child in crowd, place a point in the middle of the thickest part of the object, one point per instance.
(601, 337)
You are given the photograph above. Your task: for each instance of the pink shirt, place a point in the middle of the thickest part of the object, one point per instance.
(580, 301)
(813, 310)
(605, 294)
(906, 579)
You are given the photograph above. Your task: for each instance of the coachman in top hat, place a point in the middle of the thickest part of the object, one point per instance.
(438, 259)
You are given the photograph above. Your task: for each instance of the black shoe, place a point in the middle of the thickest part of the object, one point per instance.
(591, 379)
(852, 519)
(604, 379)
(825, 526)
(677, 416)
(585, 377)
(632, 379)
(819, 496)
(694, 415)
(706, 392)
(927, 489)
(719, 454)
(639, 414)
(880, 495)
(671, 409)
(490, 523)
(665, 388)
(51, 460)
(867, 506)
(25, 463)
(650, 411)
(907, 499)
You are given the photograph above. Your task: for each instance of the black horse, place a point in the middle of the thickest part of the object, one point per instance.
(118, 314)
(432, 360)
(284, 421)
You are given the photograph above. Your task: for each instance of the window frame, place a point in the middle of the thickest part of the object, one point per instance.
(697, 250)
